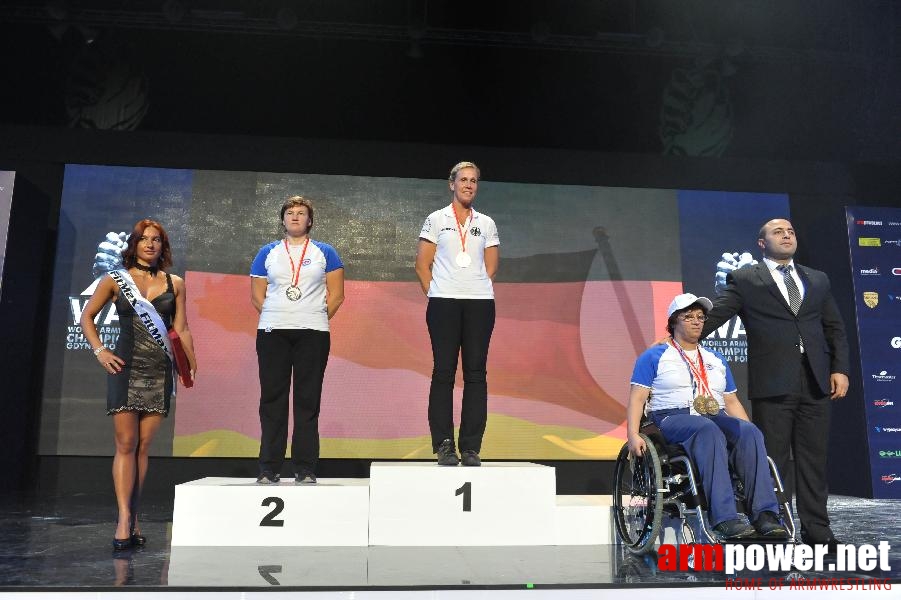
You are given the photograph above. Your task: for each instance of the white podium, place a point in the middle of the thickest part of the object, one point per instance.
(401, 504)
(222, 511)
(497, 504)
(584, 520)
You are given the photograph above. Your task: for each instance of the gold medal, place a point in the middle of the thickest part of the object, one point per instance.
(700, 405)
(706, 405)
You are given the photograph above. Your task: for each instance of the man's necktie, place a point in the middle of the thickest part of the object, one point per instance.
(794, 294)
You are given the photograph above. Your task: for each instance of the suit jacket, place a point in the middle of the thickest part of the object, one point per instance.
(774, 332)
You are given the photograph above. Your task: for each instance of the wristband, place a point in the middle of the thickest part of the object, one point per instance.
(97, 351)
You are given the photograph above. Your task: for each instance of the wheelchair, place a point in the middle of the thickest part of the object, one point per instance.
(663, 483)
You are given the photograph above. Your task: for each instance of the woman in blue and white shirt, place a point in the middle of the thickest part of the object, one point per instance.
(297, 285)
(689, 393)
(456, 262)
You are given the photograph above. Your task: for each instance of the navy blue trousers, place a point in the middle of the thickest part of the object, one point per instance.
(714, 444)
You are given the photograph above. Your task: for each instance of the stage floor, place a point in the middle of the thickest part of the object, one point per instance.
(63, 544)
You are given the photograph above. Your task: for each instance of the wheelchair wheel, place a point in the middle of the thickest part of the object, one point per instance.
(638, 498)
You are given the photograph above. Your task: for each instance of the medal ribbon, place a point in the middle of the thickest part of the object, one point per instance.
(465, 231)
(295, 275)
(696, 372)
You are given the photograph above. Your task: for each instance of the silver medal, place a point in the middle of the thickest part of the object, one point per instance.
(463, 260)
(293, 293)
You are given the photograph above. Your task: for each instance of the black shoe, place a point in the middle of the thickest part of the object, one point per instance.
(120, 545)
(267, 477)
(768, 525)
(305, 478)
(447, 454)
(734, 529)
(470, 458)
(136, 538)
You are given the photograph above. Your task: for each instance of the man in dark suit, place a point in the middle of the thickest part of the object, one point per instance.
(797, 361)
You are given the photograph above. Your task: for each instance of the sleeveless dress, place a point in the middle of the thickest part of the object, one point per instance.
(145, 382)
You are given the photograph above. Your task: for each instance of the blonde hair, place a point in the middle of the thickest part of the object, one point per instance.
(463, 165)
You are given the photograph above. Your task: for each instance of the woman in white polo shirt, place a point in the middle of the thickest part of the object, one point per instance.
(456, 261)
(297, 285)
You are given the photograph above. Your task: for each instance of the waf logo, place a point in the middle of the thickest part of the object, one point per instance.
(871, 299)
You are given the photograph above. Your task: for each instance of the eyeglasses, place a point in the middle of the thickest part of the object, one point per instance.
(689, 318)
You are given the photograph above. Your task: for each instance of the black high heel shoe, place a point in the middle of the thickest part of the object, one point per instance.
(123, 544)
(136, 538)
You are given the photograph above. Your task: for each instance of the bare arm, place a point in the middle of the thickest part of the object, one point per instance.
(334, 286)
(638, 397)
(105, 291)
(734, 407)
(258, 292)
(492, 258)
(425, 256)
(180, 323)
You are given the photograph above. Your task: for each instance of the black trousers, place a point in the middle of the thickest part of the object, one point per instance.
(281, 352)
(798, 424)
(459, 327)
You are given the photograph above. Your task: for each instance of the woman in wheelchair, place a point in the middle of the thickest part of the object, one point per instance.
(690, 395)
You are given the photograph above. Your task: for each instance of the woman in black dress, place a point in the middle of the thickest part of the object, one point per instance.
(140, 380)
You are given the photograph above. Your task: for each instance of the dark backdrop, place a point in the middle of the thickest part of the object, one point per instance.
(796, 96)
(818, 193)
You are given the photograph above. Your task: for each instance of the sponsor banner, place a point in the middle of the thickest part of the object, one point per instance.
(875, 246)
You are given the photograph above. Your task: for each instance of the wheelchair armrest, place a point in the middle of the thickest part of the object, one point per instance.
(653, 432)
(656, 436)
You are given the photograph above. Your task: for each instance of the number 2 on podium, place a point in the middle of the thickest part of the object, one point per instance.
(466, 490)
(269, 520)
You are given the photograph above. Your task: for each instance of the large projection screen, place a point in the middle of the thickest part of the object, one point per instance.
(585, 276)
